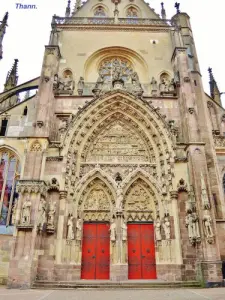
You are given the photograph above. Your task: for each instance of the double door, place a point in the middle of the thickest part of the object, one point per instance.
(141, 251)
(95, 251)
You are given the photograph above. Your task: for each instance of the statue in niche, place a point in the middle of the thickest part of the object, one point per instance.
(51, 214)
(208, 226)
(113, 231)
(193, 227)
(70, 230)
(119, 199)
(80, 86)
(158, 235)
(204, 195)
(117, 73)
(42, 214)
(166, 227)
(62, 125)
(66, 84)
(124, 230)
(26, 211)
(79, 229)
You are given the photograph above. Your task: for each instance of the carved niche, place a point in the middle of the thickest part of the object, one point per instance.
(118, 143)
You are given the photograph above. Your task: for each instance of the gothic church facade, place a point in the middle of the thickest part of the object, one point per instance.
(114, 169)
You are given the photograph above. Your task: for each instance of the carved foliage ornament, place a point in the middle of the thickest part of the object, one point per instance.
(36, 146)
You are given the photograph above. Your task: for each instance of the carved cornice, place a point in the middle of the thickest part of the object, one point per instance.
(31, 186)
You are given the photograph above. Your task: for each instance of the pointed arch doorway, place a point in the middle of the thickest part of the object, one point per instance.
(141, 251)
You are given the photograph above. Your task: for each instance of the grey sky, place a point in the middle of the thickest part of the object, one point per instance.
(29, 30)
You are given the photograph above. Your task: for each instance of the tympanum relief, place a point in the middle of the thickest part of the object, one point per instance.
(118, 143)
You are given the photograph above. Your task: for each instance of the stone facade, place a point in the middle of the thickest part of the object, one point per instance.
(117, 135)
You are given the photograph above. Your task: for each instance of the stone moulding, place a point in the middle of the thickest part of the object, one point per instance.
(25, 226)
(54, 158)
(31, 186)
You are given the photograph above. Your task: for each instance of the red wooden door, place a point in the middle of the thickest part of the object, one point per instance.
(141, 251)
(95, 251)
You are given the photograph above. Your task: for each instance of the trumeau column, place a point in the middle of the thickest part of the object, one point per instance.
(174, 199)
(45, 96)
(61, 226)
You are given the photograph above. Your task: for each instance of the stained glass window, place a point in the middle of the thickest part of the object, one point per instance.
(132, 12)
(110, 64)
(9, 174)
(99, 12)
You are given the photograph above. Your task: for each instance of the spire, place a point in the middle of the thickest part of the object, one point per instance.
(177, 6)
(77, 6)
(68, 9)
(3, 25)
(163, 11)
(12, 77)
(214, 90)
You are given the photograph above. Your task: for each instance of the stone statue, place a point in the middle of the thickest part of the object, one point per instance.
(172, 86)
(204, 195)
(119, 199)
(25, 215)
(70, 231)
(66, 84)
(164, 86)
(113, 231)
(62, 125)
(80, 86)
(99, 82)
(42, 213)
(55, 82)
(117, 73)
(135, 78)
(158, 235)
(208, 226)
(79, 229)
(154, 86)
(166, 227)
(51, 214)
(193, 227)
(124, 230)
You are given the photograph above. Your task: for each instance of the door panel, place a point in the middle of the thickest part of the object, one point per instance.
(88, 251)
(95, 251)
(134, 251)
(141, 251)
(148, 252)
(102, 250)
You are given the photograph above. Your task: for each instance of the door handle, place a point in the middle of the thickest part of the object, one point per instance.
(143, 256)
(93, 256)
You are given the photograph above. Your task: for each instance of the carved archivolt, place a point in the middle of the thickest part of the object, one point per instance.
(130, 117)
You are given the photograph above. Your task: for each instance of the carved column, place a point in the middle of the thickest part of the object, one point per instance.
(174, 199)
(61, 226)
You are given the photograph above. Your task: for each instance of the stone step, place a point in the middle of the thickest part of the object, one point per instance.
(152, 284)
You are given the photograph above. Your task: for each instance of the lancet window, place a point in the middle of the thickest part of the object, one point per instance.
(9, 175)
(109, 65)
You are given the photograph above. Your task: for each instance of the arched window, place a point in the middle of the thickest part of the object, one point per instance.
(9, 175)
(108, 66)
(132, 12)
(99, 12)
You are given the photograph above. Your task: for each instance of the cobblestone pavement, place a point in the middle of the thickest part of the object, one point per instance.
(90, 294)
